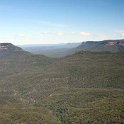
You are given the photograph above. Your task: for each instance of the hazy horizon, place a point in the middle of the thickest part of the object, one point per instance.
(61, 43)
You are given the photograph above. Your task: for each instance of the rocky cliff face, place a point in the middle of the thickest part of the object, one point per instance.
(114, 42)
(99, 46)
(9, 47)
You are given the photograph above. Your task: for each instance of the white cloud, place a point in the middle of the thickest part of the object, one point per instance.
(52, 33)
(73, 33)
(85, 33)
(121, 32)
(44, 33)
(60, 33)
(66, 33)
(21, 35)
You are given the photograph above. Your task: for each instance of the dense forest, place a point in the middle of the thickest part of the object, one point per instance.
(83, 88)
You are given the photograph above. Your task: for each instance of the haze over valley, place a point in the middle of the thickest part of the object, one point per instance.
(62, 50)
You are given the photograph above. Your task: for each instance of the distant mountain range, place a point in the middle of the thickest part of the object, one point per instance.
(61, 50)
(51, 50)
(101, 46)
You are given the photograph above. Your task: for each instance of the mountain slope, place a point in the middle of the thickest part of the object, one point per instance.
(15, 60)
(101, 46)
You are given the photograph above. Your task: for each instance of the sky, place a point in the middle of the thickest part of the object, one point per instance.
(60, 21)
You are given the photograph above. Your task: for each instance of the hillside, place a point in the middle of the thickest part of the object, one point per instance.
(83, 88)
(14, 60)
(101, 46)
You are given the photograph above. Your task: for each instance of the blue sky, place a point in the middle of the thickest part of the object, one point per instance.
(60, 21)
